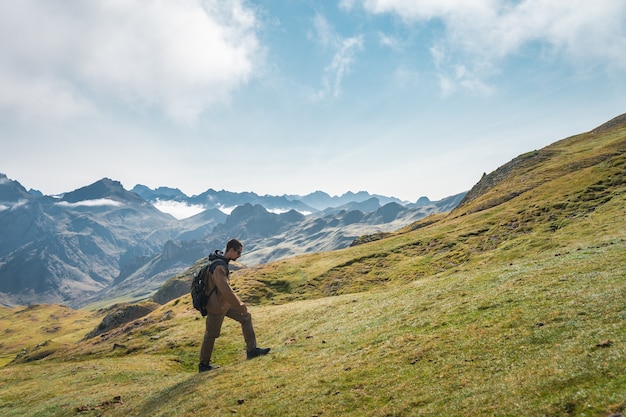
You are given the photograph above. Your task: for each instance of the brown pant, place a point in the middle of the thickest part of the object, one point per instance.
(214, 327)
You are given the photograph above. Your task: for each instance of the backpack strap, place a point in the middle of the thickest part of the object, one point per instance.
(212, 265)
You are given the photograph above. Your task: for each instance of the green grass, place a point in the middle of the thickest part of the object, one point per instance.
(522, 339)
(40, 329)
(513, 308)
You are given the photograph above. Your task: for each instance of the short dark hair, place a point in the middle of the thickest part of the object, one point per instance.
(234, 244)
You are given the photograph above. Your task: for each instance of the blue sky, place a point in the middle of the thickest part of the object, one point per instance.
(395, 97)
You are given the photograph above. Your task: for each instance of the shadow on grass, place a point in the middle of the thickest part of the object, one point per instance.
(191, 394)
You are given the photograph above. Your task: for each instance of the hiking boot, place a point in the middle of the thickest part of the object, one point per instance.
(257, 352)
(204, 367)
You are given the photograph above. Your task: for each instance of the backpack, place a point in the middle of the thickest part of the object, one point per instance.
(199, 297)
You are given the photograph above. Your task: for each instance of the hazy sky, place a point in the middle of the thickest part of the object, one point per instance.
(397, 97)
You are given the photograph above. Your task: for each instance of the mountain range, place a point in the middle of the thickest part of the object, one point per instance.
(103, 242)
(512, 303)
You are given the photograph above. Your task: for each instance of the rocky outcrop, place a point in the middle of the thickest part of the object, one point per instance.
(120, 314)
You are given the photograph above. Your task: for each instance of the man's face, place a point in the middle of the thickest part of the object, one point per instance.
(236, 253)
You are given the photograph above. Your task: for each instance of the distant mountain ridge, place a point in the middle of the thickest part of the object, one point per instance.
(310, 203)
(102, 241)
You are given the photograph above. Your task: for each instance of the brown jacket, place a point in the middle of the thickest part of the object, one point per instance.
(223, 298)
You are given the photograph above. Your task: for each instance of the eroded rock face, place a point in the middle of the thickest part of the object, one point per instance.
(121, 314)
(172, 290)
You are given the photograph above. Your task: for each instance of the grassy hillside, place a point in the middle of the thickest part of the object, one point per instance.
(514, 304)
(40, 330)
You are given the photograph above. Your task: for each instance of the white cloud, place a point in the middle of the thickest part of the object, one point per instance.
(323, 32)
(20, 203)
(391, 42)
(479, 34)
(428, 9)
(44, 97)
(176, 56)
(341, 64)
(91, 203)
(226, 210)
(286, 210)
(347, 4)
(179, 210)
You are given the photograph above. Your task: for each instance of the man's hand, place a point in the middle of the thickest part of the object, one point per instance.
(243, 309)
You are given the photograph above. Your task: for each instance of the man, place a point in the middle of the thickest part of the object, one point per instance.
(223, 302)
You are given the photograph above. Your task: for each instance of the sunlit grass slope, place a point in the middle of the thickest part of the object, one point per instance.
(542, 200)
(41, 330)
(514, 304)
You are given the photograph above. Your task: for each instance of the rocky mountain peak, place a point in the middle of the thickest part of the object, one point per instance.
(12, 191)
(105, 188)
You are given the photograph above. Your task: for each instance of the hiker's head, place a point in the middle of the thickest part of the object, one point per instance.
(233, 249)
